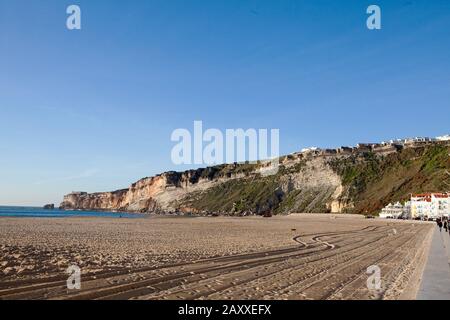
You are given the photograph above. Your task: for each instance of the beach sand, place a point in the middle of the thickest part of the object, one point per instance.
(308, 256)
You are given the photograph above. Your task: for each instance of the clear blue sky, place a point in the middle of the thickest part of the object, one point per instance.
(93, 109)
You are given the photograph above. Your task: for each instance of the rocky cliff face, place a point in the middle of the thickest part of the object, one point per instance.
(152, 194)
(360, 181)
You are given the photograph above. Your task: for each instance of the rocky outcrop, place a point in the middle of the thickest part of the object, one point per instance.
(360, 182)
(189, 191)
(152, 194)
(49, 206)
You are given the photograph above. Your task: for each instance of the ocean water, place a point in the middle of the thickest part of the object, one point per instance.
(56, 213)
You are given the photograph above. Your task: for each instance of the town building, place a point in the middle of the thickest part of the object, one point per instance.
(422, 206)
(344, 150)
(430, 205)
(443, 138)
(310, 149)
(392, 211)
(407, 210)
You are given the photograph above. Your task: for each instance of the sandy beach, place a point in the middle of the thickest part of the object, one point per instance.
(291, 257)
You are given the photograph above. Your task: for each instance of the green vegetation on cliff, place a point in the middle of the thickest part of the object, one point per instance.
(372, 181)
(369, 182)
(258, 194)
(353, 181)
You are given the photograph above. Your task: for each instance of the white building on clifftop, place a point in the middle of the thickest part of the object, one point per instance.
(443, 138)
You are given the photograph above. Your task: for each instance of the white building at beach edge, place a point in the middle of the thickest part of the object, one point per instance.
(396, 211)
(430, 205)
(421, 206)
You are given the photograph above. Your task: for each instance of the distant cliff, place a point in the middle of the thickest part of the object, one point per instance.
(355, 180)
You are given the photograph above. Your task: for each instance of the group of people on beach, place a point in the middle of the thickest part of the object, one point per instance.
(443, 222)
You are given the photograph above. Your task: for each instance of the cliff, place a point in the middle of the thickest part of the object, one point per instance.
(358, 180)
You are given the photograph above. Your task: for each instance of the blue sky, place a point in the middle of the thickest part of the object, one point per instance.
(94, 109)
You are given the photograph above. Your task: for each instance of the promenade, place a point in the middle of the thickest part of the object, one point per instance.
(436, 277)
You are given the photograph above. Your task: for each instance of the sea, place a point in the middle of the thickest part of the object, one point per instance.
(36, 212)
